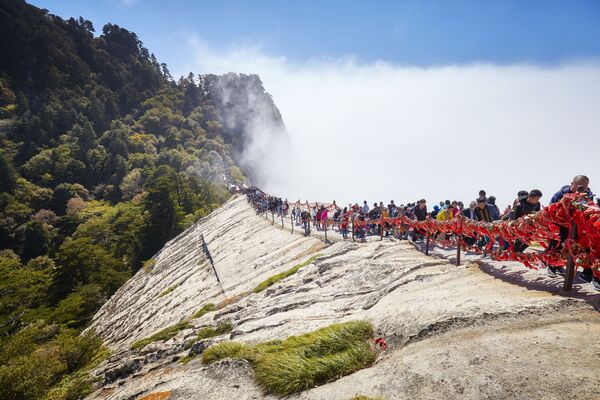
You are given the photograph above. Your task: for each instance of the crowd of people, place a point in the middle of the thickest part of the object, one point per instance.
(363, 220)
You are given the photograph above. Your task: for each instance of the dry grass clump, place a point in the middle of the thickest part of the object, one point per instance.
(282, 275)
(205, 309)
(298, 363)
(164, 334)
(149, 265)
(209, 331)
(167, 291)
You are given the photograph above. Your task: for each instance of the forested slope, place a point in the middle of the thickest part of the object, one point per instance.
(103, 159)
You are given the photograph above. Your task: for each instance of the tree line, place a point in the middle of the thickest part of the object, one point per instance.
(103, 158)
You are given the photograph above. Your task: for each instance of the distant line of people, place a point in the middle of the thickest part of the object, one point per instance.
(366, 218)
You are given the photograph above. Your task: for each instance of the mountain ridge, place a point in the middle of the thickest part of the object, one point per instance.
(428, 311)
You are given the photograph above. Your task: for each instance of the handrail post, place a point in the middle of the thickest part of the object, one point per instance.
(570, 272)
(427, 245)
(458, 240)
(292, 221)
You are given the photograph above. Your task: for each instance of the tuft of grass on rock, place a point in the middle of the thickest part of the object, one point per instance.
(167, 291)
(361, 397)
(164, 334)
(283, 367)
(186, 359)
(282, 275)
(211, 331)
(205, 309)
(225, 350)
(149, 265)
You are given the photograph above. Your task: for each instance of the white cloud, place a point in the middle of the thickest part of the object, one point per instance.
(379, 131)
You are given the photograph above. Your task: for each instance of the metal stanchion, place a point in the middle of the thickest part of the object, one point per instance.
(326, 231)
(292, 221)
(458, 240)
(282, 220)
(571, 270)
(353, 229)
(427, 245)
(458, 249)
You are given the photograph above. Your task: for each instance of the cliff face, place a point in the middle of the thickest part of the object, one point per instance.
(476, 331)
(251, 120)
(245, 252)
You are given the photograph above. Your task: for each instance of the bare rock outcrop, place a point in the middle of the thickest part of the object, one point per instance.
(453, 332)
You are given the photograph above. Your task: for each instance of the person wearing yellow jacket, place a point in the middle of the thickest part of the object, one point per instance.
(447, 213)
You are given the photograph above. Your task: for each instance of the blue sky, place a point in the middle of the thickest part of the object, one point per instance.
(422, 33)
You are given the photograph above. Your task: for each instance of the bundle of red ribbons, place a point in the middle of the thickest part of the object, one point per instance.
(574, 211)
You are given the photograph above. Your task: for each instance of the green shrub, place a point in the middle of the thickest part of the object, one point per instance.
(164, 334)
(71, 388)
(30, 376)
(205, 309)
(301, 362)
(282, 275)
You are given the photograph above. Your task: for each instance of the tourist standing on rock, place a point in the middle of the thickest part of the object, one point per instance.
(318, 218)
(482, 195)
(392, 209)
(305, 216)
(434, 213)
(324, 216)
(365, 208)
(492, 201)
(420, 213)
(446, 214)
(469, 213)
(344, 223)
(485, 212)
(580, 184)
(529, 205)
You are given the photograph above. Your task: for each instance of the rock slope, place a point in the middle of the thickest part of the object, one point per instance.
(474, 331)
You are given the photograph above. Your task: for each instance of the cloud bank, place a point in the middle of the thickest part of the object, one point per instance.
(378, 131)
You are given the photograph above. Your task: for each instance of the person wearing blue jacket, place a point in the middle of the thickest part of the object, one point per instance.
(485, 211)
(579, 184)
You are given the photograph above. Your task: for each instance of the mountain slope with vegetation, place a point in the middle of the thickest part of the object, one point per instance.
(103, 159)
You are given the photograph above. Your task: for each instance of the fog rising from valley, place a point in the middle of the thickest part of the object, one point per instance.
(378, 132)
